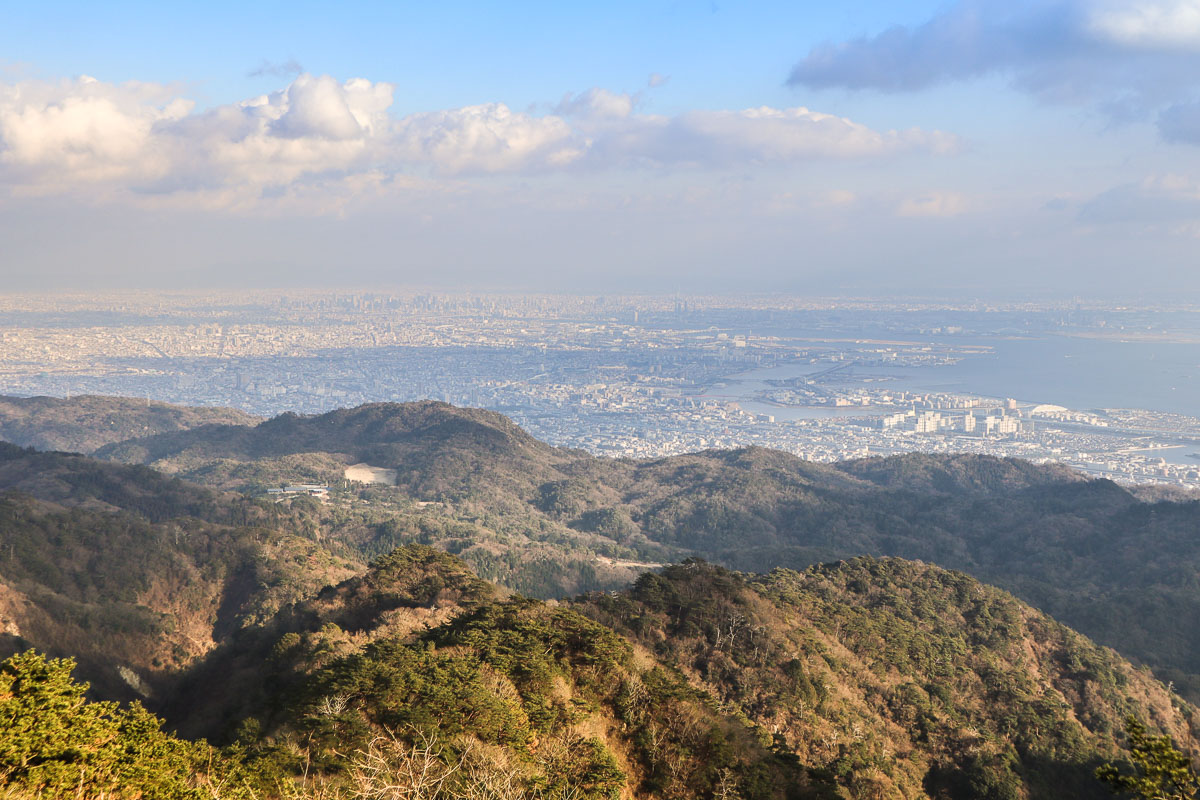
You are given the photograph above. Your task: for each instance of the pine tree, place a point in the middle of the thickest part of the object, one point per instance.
(56, 743)
(1162, 772)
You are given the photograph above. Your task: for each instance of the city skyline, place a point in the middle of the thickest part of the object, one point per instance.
(1104, 388)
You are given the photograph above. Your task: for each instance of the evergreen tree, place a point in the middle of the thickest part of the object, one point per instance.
(55, 743)
(1162, 772)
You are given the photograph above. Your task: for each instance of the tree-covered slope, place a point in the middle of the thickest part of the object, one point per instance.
(436, 448)
(866, 679)
(257, 667)
(54, 743)
(134, 573)
(959, 474)
(870, 678)
(550, 522)
(899, 677)
(535, 700)
(86, 423)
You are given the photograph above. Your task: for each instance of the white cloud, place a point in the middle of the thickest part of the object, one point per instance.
(1130, 58)
(1164, 203)
(750, 136)
(146, 141)
(284, 69)
(83, 131)
(771, 134)
(484, 138)
(596, 104)
(933, 204)
(323, 109)
(1171, 24)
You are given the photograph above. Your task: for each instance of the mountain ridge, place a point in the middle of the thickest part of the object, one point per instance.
(256, 620)
(881, 677)
(84, 423)
(553, 522)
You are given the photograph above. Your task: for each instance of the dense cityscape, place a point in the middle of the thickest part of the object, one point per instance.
(618, 376)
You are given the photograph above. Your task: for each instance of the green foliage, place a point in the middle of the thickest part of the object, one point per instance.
(1161, 771)
(879, 677)
(583, 766)
(856, 662)
(532, 643)
(405, 685)
(554, 693)
(491, 673)
(514, 675)
(54, 743)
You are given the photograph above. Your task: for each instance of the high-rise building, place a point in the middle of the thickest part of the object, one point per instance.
(928, 422)
(1008, 425)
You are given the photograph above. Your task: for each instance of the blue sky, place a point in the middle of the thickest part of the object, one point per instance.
(981, 147)
(448, 53)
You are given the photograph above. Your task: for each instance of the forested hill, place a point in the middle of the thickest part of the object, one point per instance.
(438, 450)
(864, 679)
(959, 474)
(551, 522)
(86, 423)
(135, 573)
(896, 677)
(386, 430)
(253, 619)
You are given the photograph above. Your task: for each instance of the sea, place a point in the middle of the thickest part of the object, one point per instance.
(1078, 373)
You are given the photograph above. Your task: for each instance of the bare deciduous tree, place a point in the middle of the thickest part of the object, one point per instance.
(392, 769)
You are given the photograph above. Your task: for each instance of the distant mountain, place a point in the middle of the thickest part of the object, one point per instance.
(85, 423)
(438, 448)
(959, 474)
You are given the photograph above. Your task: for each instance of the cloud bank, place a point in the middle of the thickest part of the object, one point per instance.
(144, 140)
(1158, 204)
(1130, 58)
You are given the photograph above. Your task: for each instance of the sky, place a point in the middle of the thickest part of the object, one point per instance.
(981, 148)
